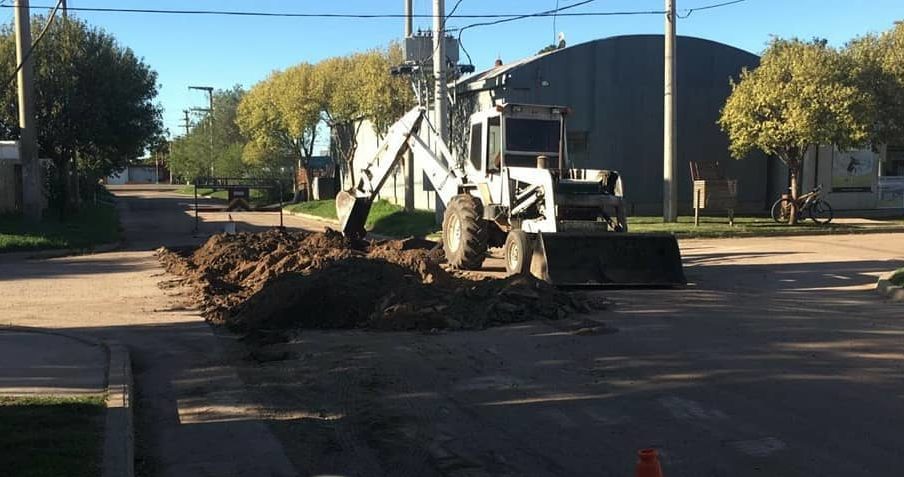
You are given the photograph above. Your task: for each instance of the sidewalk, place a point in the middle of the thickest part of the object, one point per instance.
(43, 364)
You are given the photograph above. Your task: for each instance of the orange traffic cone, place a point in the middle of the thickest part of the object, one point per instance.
(648, 464)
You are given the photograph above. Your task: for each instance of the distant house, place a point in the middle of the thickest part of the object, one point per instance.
(138, 174)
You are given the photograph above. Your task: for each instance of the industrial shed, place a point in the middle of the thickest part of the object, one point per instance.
(614, 87)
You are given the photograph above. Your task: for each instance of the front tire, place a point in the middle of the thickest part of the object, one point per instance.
(518, 252)
(821, 212)
(464, 233)
(781, 211)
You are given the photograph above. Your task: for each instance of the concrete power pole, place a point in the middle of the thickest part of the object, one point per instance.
(409, 24)
(439, 67)
(32, 202)
(409, 157)
(670, 125)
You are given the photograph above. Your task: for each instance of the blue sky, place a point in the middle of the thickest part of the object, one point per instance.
(223, 51)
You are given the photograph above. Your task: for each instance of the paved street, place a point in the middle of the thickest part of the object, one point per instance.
(778, 360)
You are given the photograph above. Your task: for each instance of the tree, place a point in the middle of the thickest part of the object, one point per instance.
(279, 116)
(95, 102)
(877, 67)
(215, 144)
(800, 96)
(360, 87)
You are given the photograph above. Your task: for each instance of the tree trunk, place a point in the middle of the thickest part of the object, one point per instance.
(795, 173)
(308, 180)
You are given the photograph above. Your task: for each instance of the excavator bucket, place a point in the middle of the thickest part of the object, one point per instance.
(608, 259)
(352, 212)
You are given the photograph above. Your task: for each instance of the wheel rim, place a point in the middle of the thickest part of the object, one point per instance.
(455, 233)
(513, 256)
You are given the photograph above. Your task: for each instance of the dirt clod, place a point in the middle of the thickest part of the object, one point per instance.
(262, 283)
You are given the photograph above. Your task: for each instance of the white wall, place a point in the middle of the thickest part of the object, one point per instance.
(394, 188)
(830, 171)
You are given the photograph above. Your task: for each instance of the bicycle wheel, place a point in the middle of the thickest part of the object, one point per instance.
(781, 211)
(821, 212)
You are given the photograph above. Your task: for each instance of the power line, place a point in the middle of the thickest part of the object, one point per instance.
(34, 43)
(504, 16)
(689, 11)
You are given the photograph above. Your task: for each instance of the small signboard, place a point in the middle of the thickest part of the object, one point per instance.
(891, 192)
(854, 171)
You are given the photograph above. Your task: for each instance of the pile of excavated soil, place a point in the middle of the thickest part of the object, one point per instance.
(280, 280)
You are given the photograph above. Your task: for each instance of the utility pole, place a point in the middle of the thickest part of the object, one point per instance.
(186, 122)
(439, 67)
(670, 125)
(209, 91)
(64, 8)
(409, 157)
(409, 24)
(31, 168)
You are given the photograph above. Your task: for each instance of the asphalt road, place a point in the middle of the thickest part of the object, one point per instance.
(777, 360)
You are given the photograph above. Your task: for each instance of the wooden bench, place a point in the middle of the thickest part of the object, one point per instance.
(712, 190)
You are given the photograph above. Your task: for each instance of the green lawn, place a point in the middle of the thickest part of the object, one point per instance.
(897, 278)
(92, 225)
(385, 218)
(716, 227)
(51, 437)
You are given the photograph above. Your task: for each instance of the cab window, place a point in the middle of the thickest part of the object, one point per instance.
(494, 144)
(476, 143)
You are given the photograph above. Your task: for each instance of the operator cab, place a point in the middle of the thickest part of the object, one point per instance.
(516, 135)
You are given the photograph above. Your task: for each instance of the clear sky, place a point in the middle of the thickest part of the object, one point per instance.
(223, 51)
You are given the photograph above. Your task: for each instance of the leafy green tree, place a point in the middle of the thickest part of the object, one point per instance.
(877, 66)
(279, 116)
(214, 145)
(95, 101)
(800, 96)
(360, 87)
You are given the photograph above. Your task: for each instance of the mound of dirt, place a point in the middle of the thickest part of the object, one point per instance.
(281, 280)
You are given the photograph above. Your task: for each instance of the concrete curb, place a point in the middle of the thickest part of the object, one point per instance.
(59, 253)
(119, 434)
(885, 287)
(315, 218)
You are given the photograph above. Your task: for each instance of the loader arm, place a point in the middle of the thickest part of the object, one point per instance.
(353, 205)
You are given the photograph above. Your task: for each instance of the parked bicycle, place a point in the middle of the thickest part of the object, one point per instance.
(810, 205)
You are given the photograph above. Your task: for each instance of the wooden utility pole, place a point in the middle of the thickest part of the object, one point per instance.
(186, 122)
(64, 8)
(32, 202)
(670, 125)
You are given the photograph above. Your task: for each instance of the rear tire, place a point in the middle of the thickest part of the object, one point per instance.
(821, 212)
(781, 211)
(518, 251)
(464, 233)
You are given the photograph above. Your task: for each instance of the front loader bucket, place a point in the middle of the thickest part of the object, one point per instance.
(608, 259)
(352, 212)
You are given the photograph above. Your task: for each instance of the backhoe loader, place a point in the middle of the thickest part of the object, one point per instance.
(516, 189)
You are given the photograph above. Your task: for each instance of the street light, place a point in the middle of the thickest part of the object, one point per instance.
(209, 90)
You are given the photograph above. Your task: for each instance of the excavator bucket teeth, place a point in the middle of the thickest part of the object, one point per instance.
(352, 212)
(609, 259)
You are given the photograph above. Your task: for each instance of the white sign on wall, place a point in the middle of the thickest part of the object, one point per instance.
(891, 192)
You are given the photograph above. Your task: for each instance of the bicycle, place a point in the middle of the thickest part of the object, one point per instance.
(810, 203)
